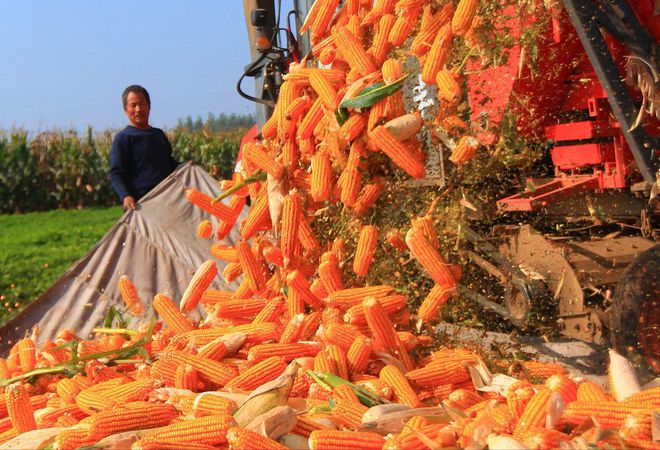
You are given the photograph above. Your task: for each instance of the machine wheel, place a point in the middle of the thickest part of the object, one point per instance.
(635, 318)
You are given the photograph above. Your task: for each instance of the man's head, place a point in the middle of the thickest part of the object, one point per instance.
(137, 105)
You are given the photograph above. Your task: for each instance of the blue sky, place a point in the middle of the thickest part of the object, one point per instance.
(65, 63)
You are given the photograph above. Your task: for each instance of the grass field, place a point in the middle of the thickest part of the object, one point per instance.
(37, 248)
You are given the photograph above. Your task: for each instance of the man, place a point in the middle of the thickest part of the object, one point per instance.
(141, 155)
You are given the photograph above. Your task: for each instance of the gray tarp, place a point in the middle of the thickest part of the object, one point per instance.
(156, 246)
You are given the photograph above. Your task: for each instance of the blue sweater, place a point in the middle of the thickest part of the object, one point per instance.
(139, 160)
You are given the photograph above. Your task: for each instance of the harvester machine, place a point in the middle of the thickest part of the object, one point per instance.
(584, 86)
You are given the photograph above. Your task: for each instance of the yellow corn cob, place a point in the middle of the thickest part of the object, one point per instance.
(130, 295)
(287, 95)
(344, 392)
(211, 371)
(430, 307)
(439, 372)
(534, 414)
(290, 153)
(437, 54)
(253, 270)
(260, 158)
(462, 19)
(204, 229)
(368, 196)
(321, 183)
(322, 19)
(185, 377)
(400, 155)
(288, 352)
(67, 389)
(170, 314)
(260, 373)
(392, 70)
(324, 89)
(563, 385)
(381, 44)
(334, 439)
(364, 253)
(395, 379)
(242, 438)
(591, 392)
(291, 212)
(200, 282)
(294, 304)
(203, 201)
(269, 129)
(225, 253)
(208, 404)
(358, 355)
(27, 356)
(608, 414)
(464, 150)
(353, 126)
(542, 369)
(19, 408)
(352, 51)
(379, 323)
(517, 397)
(647, 397)
(330, 276)
(297, 282)
(210, 430)
(271, 311)
(130, 416)
(430, 259)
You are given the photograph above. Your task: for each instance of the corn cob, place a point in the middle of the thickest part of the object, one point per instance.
(258, 217)
(225, 253)
(307, 237)
(330, 276)
(254, 271)
(241, 438)
(430, 307)
(591, 392)
(50, 418)
(130, 295)
(395, 379)
(464, 150)
(430, 259)
(185, 377)
(353, 296)
(262, 372)
(545, 439)
(400, 154)
(269, 129)
(352, 51)
(203, 201)
(324, 89)
(321, 183)
(294, 326)
(348, 413)
(464, 398)
(204, 229)
(130, 416)
(208, 404)
(563, 385)
(402, 28)
(290, 154)
(170, 314)
(323, 364)
(311, 119)
(434, 432)
(462, 19)
(19, 408)
(365, 250)
(231, 271)
(270, 312)
(261, 159)
(291, 212)
(310, 325)
(647, 397)
(27, 356)
(297, 281)
(429, 29)
(449, 88)
(202, 279)
(608, 414)
(73, 438)
(322, 19)
(381, 44)
(341, 334)
(637, 426)
(437, 54)
(439, 372)
(246, 308)
(210, 430)
(353, 126)
(358, 355)
(517, 397)
(304, 426)
(534, 414)
(210, 370)
(390, 303)
(379, 9)
(288, 352)
(287, 95)
(334, 439)
(295, 305)
(368, 196)
(542, 369)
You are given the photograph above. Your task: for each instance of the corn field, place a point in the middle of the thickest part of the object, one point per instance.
(63, 169)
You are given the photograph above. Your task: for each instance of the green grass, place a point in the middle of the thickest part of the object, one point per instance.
(37, 248)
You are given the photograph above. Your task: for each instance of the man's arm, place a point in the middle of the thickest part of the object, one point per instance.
(118, 173)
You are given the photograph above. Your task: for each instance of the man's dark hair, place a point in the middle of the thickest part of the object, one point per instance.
(137, 89)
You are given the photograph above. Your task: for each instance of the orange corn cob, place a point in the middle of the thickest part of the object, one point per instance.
(304, 426)
(210, 430)
(307, 237)
(311, 119)
(379, 323)
(19, 408)
(324, 89)
(73, 438)
(200, 282)
(203, 201)
(185, 377)
(368, 196)
(247, 308)
(67, 389)
(381, 44)
(591, 392)
(170, 314)
(541, 369)
(348, 413)
(231, 271)
(352, 51)
(322, 19)
(395, 378)
(395, 239)
(400, 155)
(295, 305)
(287, 95)
(297, 281)
(204, 229)
(637, 426)
(462, 19)
(425, 223)
(402, 28)
(449, 88)
(241, 438)
(534, 414)
(258, 217)
(377, 114)
(353, 127)
(464, 398)
(291, 332)
(222, 346)
(287, 351)
(130, 416)
(207, 404)
(130, 295)
(271, 311)
(464, 150)
(437, 54)
(290, 153)
(310, 325)
(430, 307)
(261, 159)
(4, 369)
(429, 258)
(517, 397)
(436, 432)
(429, 29)
(27, 356)
(345, 392)
(330, 276)
(330, 315)
(390, 303)
(323, 364)
(291, 212)
(334, 439)
(392, 70)
(269, 129)
(354, 296)
(50, 418)
(212, 371)
(338, 357)
(563, 385)
(225, 253)
(439, 372)
(321, 183)
(365, 250)
(379, 8)
(254, 271)
(358, 354)
(262, 372)
(341, 334)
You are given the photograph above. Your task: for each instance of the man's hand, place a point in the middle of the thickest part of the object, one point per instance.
(129, 203)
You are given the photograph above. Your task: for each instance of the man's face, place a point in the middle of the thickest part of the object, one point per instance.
(137, 110)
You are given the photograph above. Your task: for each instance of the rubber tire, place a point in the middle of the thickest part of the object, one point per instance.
(639, 284)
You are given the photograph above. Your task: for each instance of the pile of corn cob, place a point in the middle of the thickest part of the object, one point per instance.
(304, 354)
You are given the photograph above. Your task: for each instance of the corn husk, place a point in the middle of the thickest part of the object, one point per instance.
(622, 377)
(33, 439)
(274, 423)
(504, 443)
(394, 422)
(295, 442)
